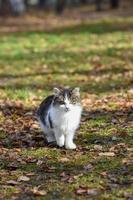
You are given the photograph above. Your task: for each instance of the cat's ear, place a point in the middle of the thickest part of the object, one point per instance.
(56, 91)
(76, 91)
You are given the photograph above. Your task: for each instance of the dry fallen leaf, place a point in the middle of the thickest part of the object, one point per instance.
(39, 162)
(98, 147)
(88, 167)
(81, 191)
(38, 192)
(109, 154)
(31, 174)
(63, 174)
(78, 176)
(63, 159)
(12, 182)
(88, 191)
(92, 192)
(23, 178)
(104, 173)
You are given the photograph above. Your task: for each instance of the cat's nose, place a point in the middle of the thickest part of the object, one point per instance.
(67, 109)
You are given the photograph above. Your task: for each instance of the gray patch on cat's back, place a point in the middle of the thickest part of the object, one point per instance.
(44, 107)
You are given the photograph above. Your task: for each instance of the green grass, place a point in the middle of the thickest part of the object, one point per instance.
(97, 57)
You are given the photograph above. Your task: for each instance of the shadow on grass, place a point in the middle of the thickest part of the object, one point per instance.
(96, 27)
(19, 122)
(44, 179)
(59, 178)
(94, 72)
(87, 85)
(102, 27)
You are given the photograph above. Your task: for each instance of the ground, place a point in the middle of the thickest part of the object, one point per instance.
(95, 55)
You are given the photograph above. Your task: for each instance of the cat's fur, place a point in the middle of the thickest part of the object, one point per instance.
(59, 116)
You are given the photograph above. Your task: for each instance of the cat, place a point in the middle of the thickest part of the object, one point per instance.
(59, 116)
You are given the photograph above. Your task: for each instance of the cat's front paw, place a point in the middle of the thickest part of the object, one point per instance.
(60, 140)
(70, 146)
(60, 143)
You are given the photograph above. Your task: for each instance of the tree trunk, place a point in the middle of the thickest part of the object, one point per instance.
(18, 7)
(42, 3)
(60, 6)
(5, 7)
(83, 1)
(98, 5)
(114, 3)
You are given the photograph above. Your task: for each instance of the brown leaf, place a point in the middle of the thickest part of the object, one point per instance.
(128, 195)
(108, 154)
(65, 179)
(77, 176)
(50, 169)
(92, 192)
(126, 161)
(63, 174)
(88, 191)
(39, 162)
(38, 192)
(88, 167)
(81, 191)
(23, 178)
(63, 159)
(104, 173)
(12, 182)
(31, 174)
(98, 147)
(70, 180)
(114, 121)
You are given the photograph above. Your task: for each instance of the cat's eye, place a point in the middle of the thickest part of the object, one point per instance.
(74, 100)
(61, 102)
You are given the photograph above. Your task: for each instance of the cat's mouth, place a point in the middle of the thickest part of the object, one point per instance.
(67, 109)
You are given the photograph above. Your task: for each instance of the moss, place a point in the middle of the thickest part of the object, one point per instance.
(42, 153)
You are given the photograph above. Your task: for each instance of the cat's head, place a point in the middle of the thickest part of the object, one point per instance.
(66, 99)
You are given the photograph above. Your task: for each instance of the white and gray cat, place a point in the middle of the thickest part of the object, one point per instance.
(59, 116)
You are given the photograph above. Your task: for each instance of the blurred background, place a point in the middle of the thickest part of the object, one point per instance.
(43, 13)
(45, 40)
(18, 7)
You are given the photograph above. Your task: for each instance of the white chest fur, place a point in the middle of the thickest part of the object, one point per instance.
(66, 121)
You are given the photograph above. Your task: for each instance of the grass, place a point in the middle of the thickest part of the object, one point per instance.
(97, 56)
